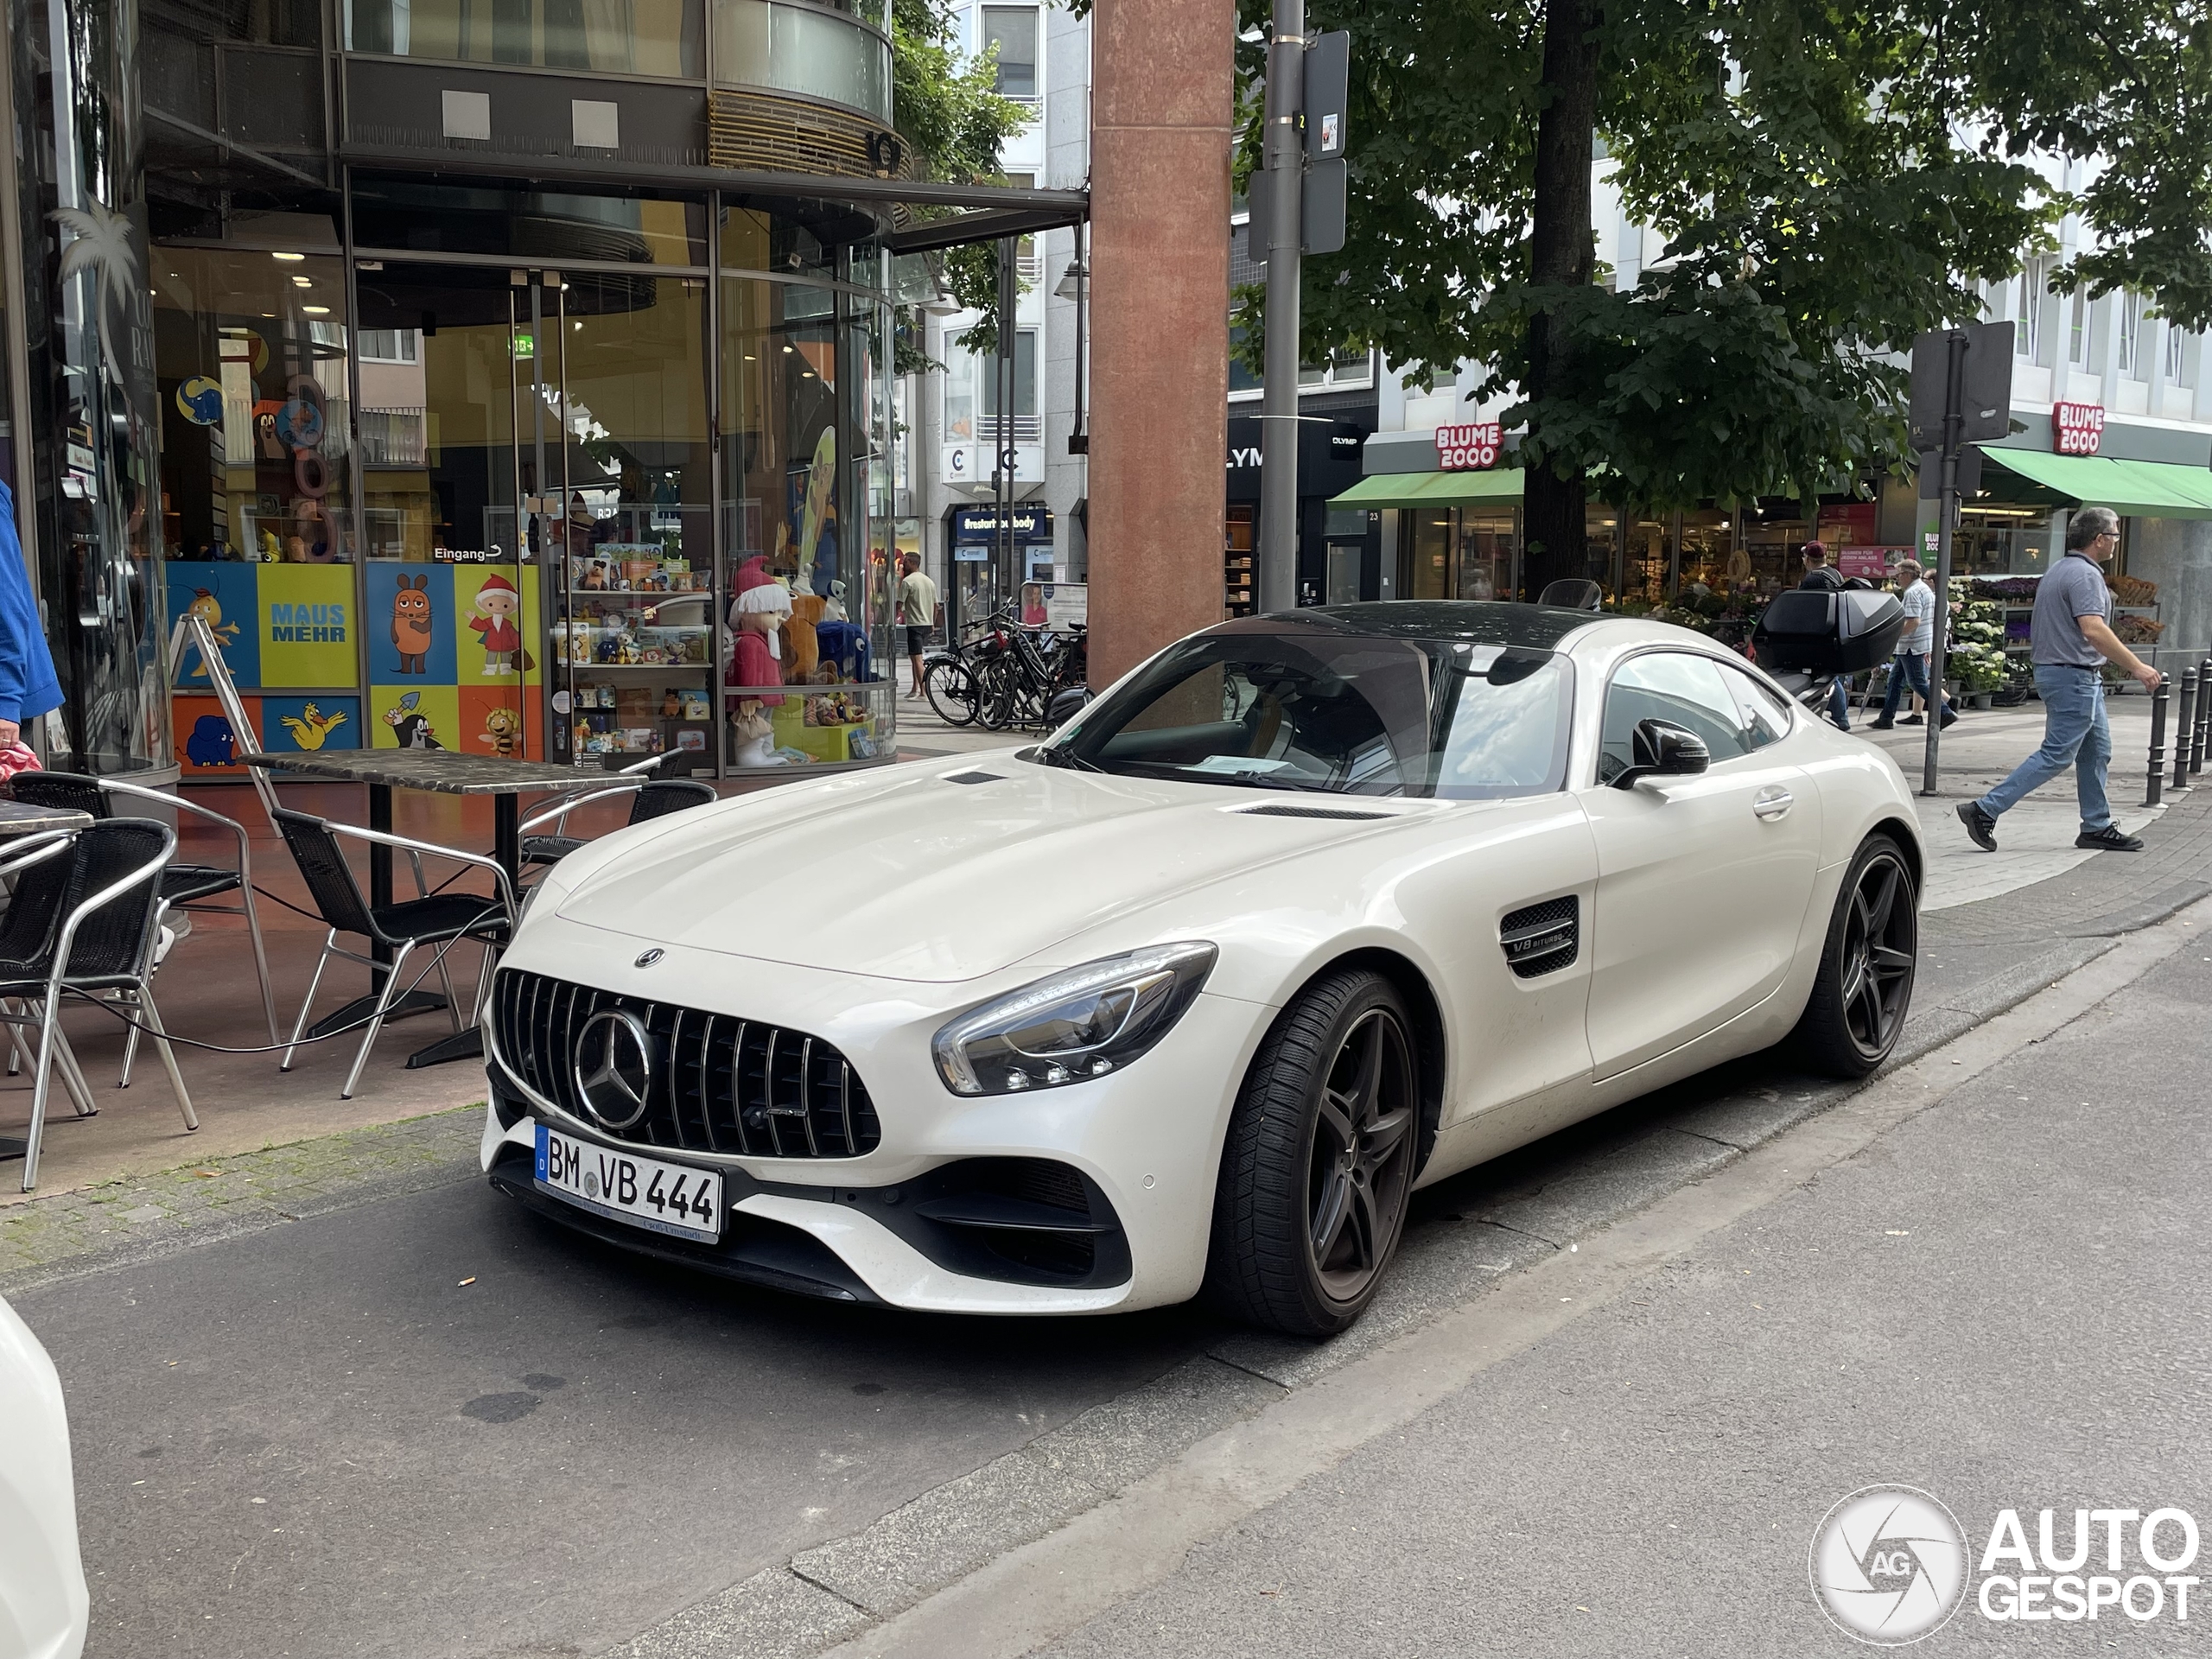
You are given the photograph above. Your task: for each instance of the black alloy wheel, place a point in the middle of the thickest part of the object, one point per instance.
(1865, 987)
(1320, 1164)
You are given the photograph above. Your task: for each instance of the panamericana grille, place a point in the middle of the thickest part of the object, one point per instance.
(719, 1084)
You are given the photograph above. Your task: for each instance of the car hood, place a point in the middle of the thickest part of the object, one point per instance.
(904, 873)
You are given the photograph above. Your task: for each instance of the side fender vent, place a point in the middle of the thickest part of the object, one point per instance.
(1542, 938)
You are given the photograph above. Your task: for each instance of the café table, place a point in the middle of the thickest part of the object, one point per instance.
(440, 772)
(19, 818)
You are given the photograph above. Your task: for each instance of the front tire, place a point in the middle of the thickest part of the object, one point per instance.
(1864, 989)
(1320, 1163)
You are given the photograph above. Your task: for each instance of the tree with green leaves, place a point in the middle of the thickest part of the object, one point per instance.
(1825, 179)
(945, 105)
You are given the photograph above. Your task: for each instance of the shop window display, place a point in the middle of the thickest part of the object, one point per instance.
(804, 490)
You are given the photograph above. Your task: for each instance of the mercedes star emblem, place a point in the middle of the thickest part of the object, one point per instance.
(649, 957)
(613, 1067)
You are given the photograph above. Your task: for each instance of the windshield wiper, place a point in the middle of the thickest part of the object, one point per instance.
(1060, 755)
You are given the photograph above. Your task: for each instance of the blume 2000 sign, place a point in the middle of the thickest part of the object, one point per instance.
(1468, 448)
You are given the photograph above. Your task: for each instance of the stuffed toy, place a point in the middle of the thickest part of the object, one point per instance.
(757, 615)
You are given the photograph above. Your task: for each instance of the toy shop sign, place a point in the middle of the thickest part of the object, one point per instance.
(2077, 429)
(1470, 448)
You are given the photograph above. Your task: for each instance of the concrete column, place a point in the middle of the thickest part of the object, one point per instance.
(1161, 101)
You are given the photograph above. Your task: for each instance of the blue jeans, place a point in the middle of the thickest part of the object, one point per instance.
(1839, 701)
(2076, 735)
(1907, 665)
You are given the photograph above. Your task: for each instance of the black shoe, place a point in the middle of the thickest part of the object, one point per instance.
(1950, 718)
(1983, 828)
(2110, 839)
(1881, 725)
(1911, 720)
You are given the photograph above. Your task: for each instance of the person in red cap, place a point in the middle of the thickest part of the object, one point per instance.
(497, 606)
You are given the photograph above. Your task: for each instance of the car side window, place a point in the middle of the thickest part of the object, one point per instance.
(1766, 715)
(1675, 686)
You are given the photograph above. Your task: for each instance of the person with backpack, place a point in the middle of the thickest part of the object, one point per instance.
(1823, 577)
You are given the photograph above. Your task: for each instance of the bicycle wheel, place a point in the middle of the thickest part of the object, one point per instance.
(952, 690)
(1000, 693)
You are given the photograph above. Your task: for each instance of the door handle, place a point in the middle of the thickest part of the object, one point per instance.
(1772, 803)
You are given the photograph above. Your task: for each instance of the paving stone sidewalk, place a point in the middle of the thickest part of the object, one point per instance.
(147, 1216)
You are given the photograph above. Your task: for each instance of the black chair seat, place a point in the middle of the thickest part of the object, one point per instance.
(183, 883)
(442, 915)
(549, 849)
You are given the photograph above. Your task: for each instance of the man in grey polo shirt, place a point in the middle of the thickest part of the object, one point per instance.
(2072, 640)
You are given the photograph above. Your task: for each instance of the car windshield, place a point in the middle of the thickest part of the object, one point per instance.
(1336, 713)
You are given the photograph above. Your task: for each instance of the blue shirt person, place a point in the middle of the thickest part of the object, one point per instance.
(28, 686)
(2072, 638)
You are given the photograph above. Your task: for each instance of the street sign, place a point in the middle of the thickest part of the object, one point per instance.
(1328, 90)
(1322, 194)
(1985, 385)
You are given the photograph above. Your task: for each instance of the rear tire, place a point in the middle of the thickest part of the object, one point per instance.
(1318, 1167)
(1864, 989)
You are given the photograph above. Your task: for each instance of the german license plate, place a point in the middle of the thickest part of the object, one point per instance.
(644, 1191)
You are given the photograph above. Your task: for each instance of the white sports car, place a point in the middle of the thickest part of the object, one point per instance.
(1306, 911)
(43, 1601)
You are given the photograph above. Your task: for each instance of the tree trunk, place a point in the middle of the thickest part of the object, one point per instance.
(1561, 253)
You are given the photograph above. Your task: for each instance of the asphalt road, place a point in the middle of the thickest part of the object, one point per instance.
(314, 1439)
(2000, 1302)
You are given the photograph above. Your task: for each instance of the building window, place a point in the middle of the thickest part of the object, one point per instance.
(1013, 30)
(390, 345)
(1346, 370)
(2027, 336)
(2077, 331)
(2129, 309)
(2174, 366)
(971, 393)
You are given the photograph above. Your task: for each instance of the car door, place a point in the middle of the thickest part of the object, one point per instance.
(1702, 879)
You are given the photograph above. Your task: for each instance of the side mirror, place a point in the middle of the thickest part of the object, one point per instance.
(1662, 749)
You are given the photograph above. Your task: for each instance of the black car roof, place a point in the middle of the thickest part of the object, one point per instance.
(1480, 622)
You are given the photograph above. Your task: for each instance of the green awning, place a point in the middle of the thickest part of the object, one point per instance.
(1501, 484)
(2135, 489)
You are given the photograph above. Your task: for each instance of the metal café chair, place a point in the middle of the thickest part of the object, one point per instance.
(84, 918)
(649, 798)
(184, 886)
(438, 919)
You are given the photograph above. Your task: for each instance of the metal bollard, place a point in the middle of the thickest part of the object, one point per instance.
(2184, 722)
(2154, 790)
(2203, 727)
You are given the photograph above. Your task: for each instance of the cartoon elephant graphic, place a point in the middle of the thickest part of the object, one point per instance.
(411, 624)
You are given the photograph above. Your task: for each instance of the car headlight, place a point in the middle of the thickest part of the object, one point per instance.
(1074, 1026)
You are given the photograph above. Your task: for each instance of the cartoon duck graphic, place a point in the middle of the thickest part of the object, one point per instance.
(310, 726)
(209, 609)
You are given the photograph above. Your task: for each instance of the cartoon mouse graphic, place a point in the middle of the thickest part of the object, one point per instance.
(411, 624)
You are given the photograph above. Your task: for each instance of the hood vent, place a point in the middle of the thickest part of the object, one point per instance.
(1348, 814)
(974, 777)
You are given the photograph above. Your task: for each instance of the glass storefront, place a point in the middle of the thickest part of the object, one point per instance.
(537, 547)
(1456, 553)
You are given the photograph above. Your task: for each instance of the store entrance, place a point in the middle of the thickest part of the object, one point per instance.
(536, 493)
